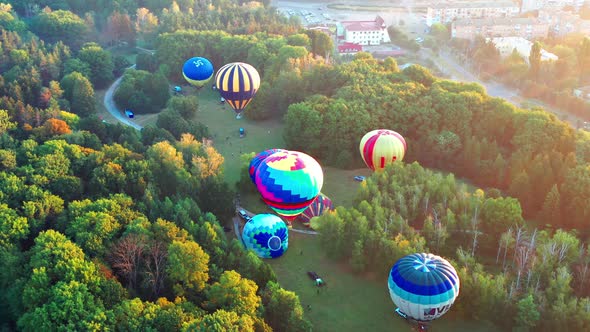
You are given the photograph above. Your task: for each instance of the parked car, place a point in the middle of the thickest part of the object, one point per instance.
(243, 214)
(359, 178)
(129, 113)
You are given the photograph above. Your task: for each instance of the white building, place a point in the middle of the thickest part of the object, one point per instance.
(507, 45)
(364, 32)
(448, 12)
(530, 5)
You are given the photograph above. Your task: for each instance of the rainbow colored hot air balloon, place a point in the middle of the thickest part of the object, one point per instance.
(258, 159)
(423, 286)
(288, 182)
(267, 235)
(319, 205)
(237, 82)
(197, 71)
(382, 147)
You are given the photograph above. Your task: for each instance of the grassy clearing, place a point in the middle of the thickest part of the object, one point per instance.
(350, 302)
(129, 53)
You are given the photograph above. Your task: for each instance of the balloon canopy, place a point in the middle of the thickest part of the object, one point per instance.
(267, 235)
(288, 182)
(237, 82)
(258, 159)
(319, 205)
(423, 286)
(197, 71)
(382, 147)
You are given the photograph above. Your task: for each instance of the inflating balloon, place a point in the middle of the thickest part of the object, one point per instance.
(319, 205)
(267, 235)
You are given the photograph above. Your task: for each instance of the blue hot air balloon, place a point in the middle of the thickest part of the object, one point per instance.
(197, 71)
(267, 235)
(423, 286)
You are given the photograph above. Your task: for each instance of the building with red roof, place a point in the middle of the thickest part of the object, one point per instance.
(346, 48)
(365, 32)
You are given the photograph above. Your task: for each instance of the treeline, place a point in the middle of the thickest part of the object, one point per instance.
(453, 126)
(541, 278)
(113, 22)
(550, 81)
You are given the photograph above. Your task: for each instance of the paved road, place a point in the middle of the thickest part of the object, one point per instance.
(448, 64)
(109, 104)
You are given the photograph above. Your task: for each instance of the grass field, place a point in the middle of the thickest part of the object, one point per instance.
(350, 302)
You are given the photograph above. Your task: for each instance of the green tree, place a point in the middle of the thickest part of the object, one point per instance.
(60, 25)
(100, 63)
(528, 315)
(535, 60)
(79, 92)
(233, 293)
(187, 266)
(283, 311)
(5, 123)
(221, 321)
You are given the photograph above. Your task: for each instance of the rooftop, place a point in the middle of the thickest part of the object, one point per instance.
(374, 25)
(486, 4)
(497, 21)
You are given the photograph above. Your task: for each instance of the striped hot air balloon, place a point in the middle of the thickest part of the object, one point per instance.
(423, 286)
(197, 71)
(237, 82)
(288, 182)
(267, 235)
(382, 147)
(258, 159)
(319, 205)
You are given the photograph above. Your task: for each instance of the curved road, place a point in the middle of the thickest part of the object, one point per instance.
(110, 105)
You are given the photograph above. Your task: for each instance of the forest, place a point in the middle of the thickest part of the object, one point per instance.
(103, 227)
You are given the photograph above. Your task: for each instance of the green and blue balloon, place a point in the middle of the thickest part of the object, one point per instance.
(267, 235)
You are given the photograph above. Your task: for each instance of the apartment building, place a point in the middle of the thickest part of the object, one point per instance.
(528, 28)
(447, 12)
(507, 45)
(530, 5)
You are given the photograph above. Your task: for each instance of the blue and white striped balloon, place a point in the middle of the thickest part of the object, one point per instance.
(423, 286)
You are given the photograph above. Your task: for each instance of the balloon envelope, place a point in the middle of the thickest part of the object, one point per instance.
(258, 159)
(382, 147)
(237, 82)
(288, 182)
(197, 71)
(423, 286)
(267, 235)
(319, 205)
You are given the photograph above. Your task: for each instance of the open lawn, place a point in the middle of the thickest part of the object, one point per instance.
(350, 302)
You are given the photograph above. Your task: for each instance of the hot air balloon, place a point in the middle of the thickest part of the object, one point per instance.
(319, 205)
(382, 147)
(258, 159)
(237, 82)
(423, 286)
(288, 182)
(197, 71)
(267, 235)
